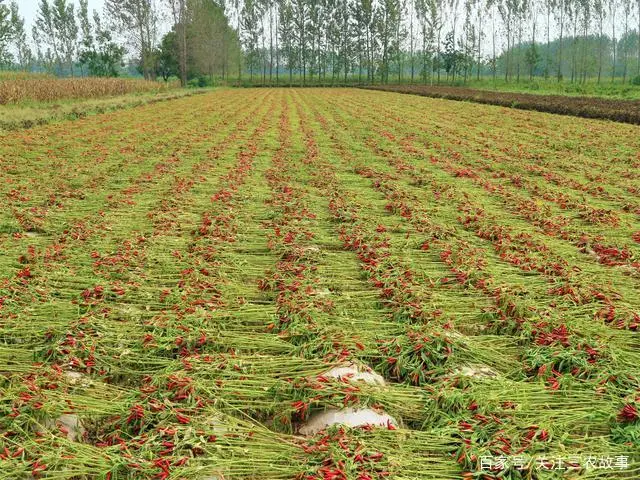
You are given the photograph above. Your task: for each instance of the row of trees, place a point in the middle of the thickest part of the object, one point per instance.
(333, 40)
(591, 37)
(392, 40)
(64, 41)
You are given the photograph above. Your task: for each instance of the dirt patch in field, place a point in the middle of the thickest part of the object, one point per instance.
(626, 111)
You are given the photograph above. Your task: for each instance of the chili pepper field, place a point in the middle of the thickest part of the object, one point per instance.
(193, 289)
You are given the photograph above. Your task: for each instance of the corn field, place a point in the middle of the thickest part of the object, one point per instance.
(19, 89)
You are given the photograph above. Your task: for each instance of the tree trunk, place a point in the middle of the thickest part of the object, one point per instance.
(411, 45)
(638, 38)
(547, 68)
(480, 18)
(600, 53)
(574, 65)
(615, 45)
(560, 44)
(270, 44)
(183, 59)
(277, 54)
(438, 55)
(625, 55)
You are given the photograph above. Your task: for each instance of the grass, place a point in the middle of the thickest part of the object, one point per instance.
(180, 276)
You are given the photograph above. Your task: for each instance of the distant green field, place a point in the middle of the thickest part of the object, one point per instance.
(552, 87)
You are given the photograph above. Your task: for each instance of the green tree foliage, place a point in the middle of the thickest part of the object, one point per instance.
(167, 64)
(252, 28)
(45, 37)
(532, 58)
(100, 54)
(210, 39)
(212, 45)
(56, 35)
(66, 31)
(287, 37)
(6, 33)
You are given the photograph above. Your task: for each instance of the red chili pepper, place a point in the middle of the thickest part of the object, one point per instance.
(629, 413)
(181, 461)
(137, 413)
(183, 419)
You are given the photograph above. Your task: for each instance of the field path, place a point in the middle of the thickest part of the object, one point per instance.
(177, 282)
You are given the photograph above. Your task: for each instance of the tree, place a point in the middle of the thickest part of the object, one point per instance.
(491, 7)
(422, 9)
(532, 58)
(45, 35)
(315, 31)
(86, 36)
(64, 21)
(269, 6)
(468, 42)
(387, 25)
(613, 9)
(400, 36)
(287, 38)
(252, 29)
(561, 14)
(625, 50)
(638, 33)
(508, 12)
(56, 31)
(335, 50)
(411, 12)
(346, 41)
(6, 33)
(137, 20)
(522, 11)
(450, 57)
(167, 63)
(24, 56)
(598, 7)
(435, 24)
(480, 11)
(102, 56)
(585, 6)
(208, 38)
(301, 22)
(363, 13)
